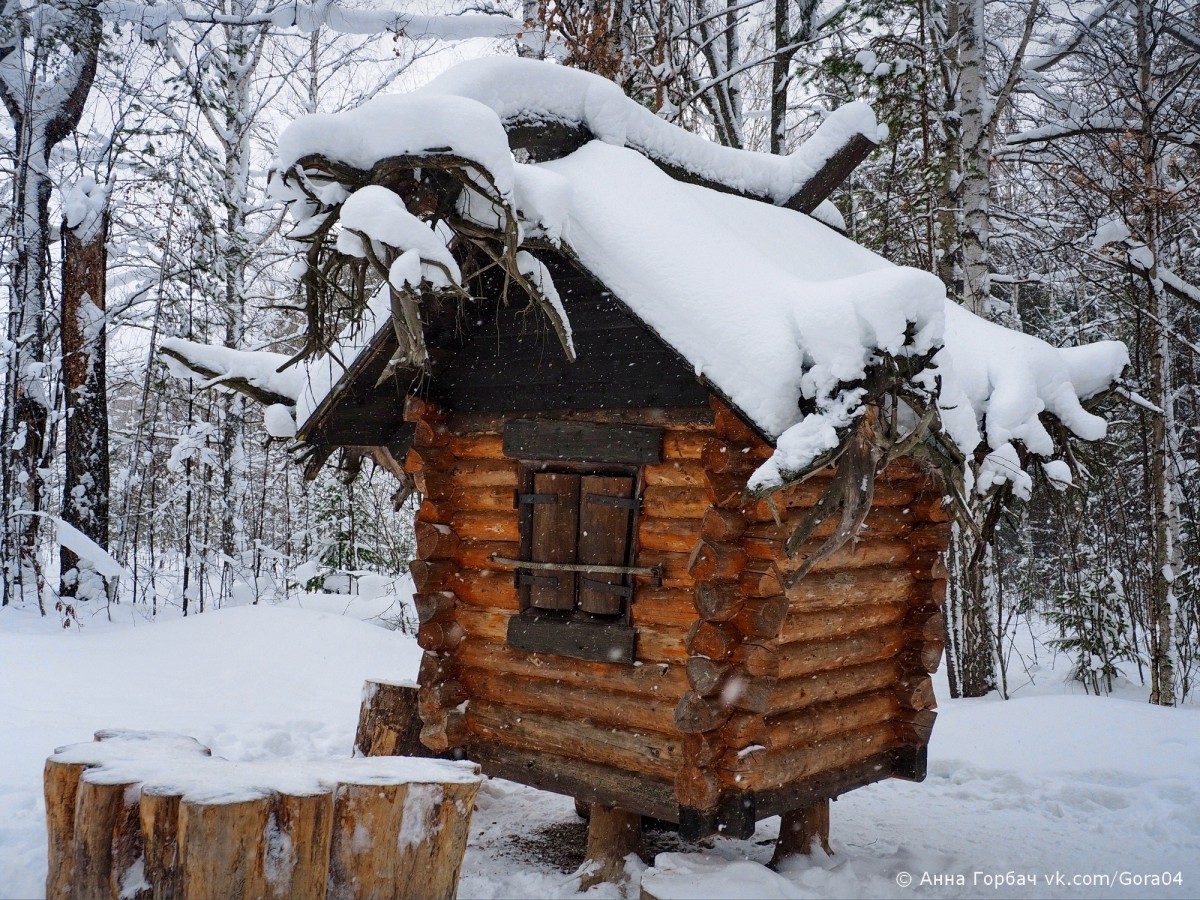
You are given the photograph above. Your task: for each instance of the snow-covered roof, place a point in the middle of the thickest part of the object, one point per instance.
(779, 313)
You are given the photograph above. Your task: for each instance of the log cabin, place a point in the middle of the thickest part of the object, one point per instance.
(683, 448)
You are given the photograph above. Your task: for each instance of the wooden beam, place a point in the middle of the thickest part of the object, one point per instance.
(582, 441)
(837, 169)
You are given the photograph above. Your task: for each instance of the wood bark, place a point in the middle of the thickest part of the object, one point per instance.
(83, 336)
(800, 831)
(389, 723)
(612, 835)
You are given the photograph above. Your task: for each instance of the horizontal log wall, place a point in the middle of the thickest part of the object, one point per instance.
(836, 676)
(530, 712)
(824, 678)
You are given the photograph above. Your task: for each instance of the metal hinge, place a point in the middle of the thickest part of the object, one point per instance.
(520, 499)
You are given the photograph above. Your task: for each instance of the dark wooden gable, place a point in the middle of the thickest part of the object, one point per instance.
(506, 358)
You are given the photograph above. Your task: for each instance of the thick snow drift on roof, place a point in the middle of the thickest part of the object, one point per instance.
(697, 267)
(774, 309)
(531, 91)
(401, 125)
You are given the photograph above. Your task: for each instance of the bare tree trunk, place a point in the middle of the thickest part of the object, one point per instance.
(975, 187)
(44, 84)
(86, 486)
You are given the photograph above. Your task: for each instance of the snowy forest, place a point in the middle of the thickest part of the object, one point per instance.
(1042, 160)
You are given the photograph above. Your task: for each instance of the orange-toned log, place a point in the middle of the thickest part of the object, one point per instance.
(655, 644)
(706, 675)
(695, 713)
(674, 566)
(926, 624)
(645, 752)
(730, 425)
(762, 771)
(733, 456)
(806, 494)
(477, 554)
(684, 444)
(478, 445)
(666, 682)
(717, 562)
(674, 535)
(930, 507)
(915, 691)
(808, 657)
(435, 541)
(468, 474)
(726, 490)
(703, 749)
(809, 625)
(697, 788)
(931, 536)
(435, 511)
(427, 460)
(430, 575)
(438, 605)
(861, 587)
(571, 701)
(923, 657)
(674, 502)
(716, 641)
(484, 499)
(486, 526)
(802, 727)
(678, 473)
(444, 731)
(927, 565)
(417, 409)
(760, 618)
(440, 635)
(756, 659)
(718, 601)
(867, 553)
(761, 578)
(798, 693)
(492, 588)
(749, 693)
(722, 525)
(663, 606)
(915, 726)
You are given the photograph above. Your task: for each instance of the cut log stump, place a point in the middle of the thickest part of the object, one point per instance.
(154, 816)
(389, 723)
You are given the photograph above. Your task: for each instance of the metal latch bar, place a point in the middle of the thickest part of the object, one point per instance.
(648, 571)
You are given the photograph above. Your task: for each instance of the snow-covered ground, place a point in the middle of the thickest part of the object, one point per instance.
(1051, 785)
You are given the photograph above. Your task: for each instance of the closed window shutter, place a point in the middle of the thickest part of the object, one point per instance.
(555, 526)
(606, 508)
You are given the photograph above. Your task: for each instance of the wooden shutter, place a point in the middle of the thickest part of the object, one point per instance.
(555, 526)
(606, 508)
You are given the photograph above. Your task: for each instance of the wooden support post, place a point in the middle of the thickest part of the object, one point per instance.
(612, 835)
(800, 829)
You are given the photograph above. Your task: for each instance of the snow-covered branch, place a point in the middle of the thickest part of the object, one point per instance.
(310, 15)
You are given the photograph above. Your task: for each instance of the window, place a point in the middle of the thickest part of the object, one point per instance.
(577, 520)
(578, 507)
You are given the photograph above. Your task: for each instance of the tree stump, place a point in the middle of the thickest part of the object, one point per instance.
(612, 835)
(388, 721)
(800, 830)
(155, 817)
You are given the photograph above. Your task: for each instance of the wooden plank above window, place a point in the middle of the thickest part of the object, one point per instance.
(555, 439)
